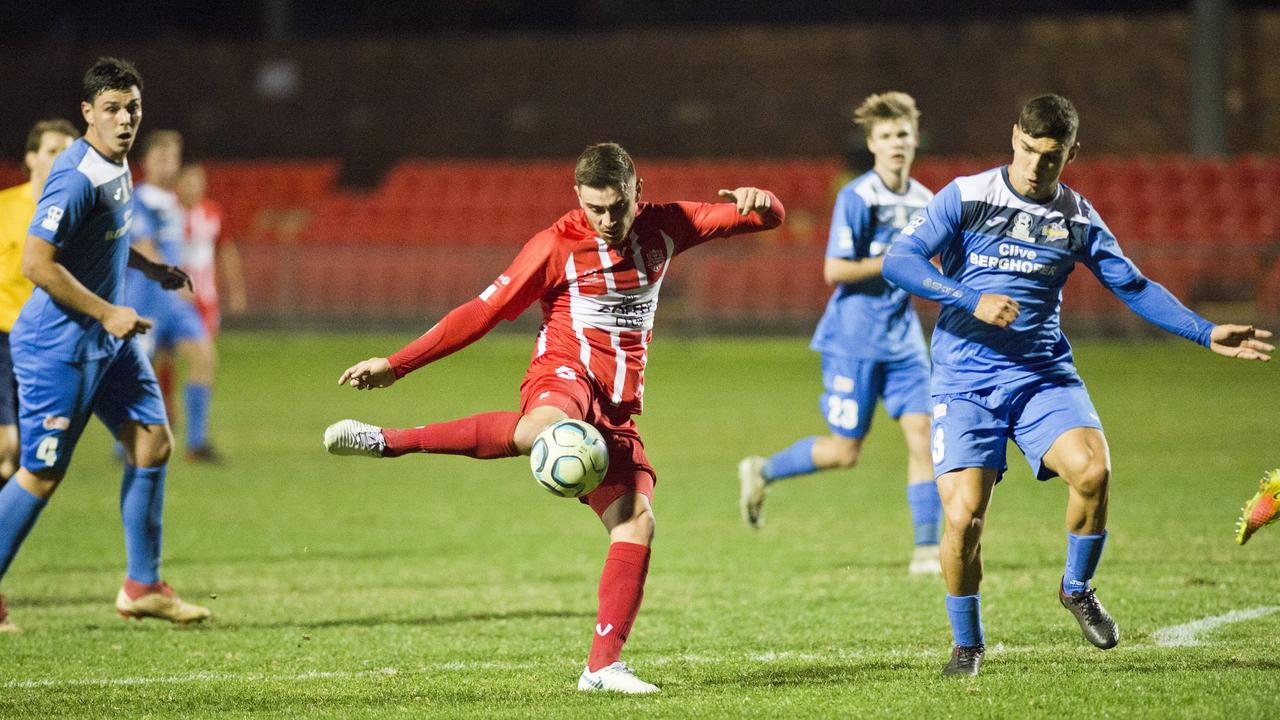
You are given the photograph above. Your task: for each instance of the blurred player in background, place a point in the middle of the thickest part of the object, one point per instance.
(870, 338)
(1002, 369)
(46, 139)
(210, 259)
(73, 352)
(597, 272)
(159, 227)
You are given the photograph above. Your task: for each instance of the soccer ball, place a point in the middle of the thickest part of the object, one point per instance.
(569, 458)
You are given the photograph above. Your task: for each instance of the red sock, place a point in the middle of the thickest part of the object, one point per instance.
(621, 589)
(485, 436)
(164, 375)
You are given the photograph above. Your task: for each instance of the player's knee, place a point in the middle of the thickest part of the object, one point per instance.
(532, 423)
(845, 452)
(965, 524)
(153, 446)
(638, 529)
(1092, 478)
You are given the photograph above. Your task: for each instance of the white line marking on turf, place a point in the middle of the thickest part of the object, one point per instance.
(1189, 634)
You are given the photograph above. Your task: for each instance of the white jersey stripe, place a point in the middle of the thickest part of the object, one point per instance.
(542, 340)
(639, 261)
(620, 377)
(584, 353)
(606, 266)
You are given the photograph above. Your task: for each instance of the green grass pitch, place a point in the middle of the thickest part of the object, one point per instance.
(438, 586)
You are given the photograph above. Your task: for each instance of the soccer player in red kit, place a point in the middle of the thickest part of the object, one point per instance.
(597, 272)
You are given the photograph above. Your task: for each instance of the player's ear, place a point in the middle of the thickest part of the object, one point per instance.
(1071, 154)
(86, 111)
(577, 192)
(29, 160)
(639, 187)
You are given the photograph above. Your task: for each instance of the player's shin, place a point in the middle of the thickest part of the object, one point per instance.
(18, 512)
(791, 461)
(1083, 554)
(141, 508)
(621, 590)
(484, 436)
(196, 397)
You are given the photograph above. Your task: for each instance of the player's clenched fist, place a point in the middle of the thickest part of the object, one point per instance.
(998, 310)
(123, 322)
(748, 199)
(368, 374)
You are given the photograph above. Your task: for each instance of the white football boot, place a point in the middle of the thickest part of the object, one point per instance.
(924, 561)
(352, 437)
(752, 489)
(164, 604)
(615, 678)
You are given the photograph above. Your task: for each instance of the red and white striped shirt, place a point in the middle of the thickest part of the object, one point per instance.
(199, 249)
(598, 302)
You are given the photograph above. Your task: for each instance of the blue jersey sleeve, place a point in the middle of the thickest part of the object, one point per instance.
(907, 262)
(849, 222)
(67, 198)
(1149, 299)
(145, 223)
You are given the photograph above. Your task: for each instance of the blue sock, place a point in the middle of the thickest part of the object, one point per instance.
(197, 402)
(965, 613)
(926, 511)
(795, 460)
(141, 505)
(18, 512)
(1083, 554)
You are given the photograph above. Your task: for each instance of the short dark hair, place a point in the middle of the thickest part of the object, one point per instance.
(1051, 116)
(160, 138)
(605, 165)
(110, 74)
(49, 125)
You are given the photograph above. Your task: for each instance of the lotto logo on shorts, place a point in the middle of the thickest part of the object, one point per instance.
(54, 422)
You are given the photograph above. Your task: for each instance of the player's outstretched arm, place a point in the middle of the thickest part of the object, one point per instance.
(40, 266)
(170, 277)
(368, 374)
(1241, 341)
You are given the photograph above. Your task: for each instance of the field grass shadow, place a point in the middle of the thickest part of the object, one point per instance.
(425, 621)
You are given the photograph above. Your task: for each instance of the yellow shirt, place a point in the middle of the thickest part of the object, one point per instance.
(17, 206)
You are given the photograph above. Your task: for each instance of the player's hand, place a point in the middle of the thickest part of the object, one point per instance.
(170, 277)
(1241, 341)
(998, 310)
(123, 322)
(748, 200)
(368, 374)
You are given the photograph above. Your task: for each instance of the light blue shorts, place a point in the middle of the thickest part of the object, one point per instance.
(854, 386)
(56, 398)
(971, 429)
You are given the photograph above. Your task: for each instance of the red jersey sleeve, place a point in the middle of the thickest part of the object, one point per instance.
(706, 221)
(528, 277)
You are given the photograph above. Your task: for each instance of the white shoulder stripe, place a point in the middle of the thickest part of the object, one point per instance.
(99, 171)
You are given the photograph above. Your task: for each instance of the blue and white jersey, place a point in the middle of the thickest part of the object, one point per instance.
(85, 212)
(158, 217)
(993, 240)
(870, 320)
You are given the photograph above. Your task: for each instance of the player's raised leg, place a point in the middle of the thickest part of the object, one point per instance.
(630, 523)
(966, 495)
(1081, 457)
(484, 436)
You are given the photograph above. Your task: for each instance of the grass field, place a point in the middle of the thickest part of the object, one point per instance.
(437, 586)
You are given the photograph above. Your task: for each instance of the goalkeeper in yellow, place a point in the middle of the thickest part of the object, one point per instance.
(46, 140)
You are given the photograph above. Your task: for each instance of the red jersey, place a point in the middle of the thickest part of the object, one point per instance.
(199, 249)
(598, 302)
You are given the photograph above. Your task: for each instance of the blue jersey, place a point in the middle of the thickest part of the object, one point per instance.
(157, 217)
(993, 240)
(870, 320)
(84, 212)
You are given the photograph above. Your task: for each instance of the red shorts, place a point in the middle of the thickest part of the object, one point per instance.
(629, 469)
(210, 315)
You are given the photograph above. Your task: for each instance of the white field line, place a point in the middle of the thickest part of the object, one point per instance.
(764, 658)
(1190, 633)
(1173, 636)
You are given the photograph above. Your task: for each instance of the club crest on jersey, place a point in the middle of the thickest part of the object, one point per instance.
(1021, 229)
(653, 259)
(1054, 231)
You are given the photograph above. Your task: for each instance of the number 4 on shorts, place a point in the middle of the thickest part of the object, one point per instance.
(47, 451)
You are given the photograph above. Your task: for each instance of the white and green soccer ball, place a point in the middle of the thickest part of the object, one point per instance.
(569, 458)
